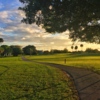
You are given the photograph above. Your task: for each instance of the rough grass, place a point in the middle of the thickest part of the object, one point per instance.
(20, 80)
(84, 60)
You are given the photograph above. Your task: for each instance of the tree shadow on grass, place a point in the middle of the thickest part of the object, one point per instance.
(7, 68)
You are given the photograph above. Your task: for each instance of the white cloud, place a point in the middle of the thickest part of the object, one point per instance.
(3, 15)
(15, 32)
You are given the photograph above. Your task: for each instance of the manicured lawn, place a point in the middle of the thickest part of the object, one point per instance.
(84, 60)
(20, 80)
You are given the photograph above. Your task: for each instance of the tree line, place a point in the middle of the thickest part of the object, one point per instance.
(15, 50)
(75, 48)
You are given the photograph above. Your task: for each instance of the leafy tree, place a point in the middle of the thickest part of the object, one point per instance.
(1, 50)
(16, 50)
(89, 50)
(65, 50)
(59, 51)
(46, 52)
(30, 50)
(7, 50)
(55, 51)
(80, 17)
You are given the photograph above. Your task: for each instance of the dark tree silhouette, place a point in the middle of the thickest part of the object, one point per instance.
(30, 50)
(80, 17)
(72, 47)
(76, 47)
(81, 45)
(7, 50)
(16, 51)
(1, 40)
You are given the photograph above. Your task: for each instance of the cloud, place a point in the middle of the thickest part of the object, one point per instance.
(14, 32)
(3, 15)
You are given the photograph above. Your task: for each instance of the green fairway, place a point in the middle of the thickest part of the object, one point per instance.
(84, 60)
(20, 80)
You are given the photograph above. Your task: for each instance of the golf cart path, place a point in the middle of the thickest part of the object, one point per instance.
(87, 82)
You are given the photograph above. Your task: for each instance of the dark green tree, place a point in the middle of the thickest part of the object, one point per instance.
(65, 50)
(30, 50)
(89, 50)
(7, 50)
(1, 50)
(46, 52)
(80, 17)
(16, 50)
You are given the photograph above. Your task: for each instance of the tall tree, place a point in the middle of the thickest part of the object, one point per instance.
(16, 50)
(81, 45)
(80, 17)
(30, 50)
(76, 47)
(72, 47)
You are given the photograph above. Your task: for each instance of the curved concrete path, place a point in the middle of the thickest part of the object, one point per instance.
(87, 82)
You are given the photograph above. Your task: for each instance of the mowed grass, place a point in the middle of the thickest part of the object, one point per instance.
(20, 80)
(83, 60)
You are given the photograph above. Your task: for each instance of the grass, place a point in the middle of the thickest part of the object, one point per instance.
(89, 61)
(20, 80)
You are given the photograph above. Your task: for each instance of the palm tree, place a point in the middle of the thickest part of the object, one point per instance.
(81, 45)
(76, 47)
(72, 47)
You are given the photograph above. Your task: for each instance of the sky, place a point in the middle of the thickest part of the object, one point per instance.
(16, 33)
